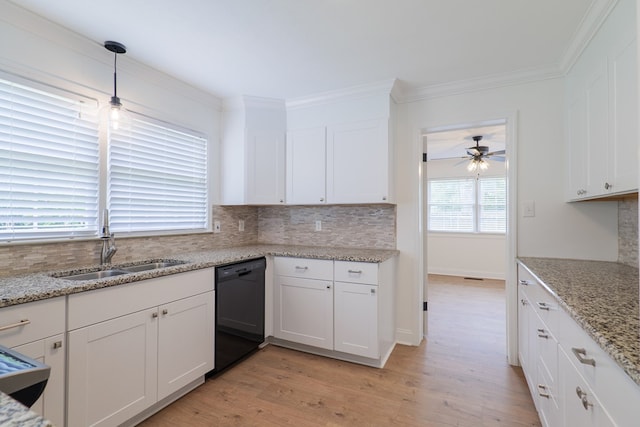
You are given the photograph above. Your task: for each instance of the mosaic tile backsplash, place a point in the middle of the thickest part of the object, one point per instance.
(368, 226)
(628, 232)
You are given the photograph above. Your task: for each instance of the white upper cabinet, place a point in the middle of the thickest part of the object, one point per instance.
(253, 152)
(340, 150)
(602, 111)
(306, 166)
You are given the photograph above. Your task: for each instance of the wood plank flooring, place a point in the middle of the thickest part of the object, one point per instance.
(458, 376)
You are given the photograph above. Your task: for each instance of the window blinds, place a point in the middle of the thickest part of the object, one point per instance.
(48, 164)
(157, 178)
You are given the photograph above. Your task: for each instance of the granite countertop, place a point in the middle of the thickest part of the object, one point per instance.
(603, 298)
(38, 286)
(13, 413)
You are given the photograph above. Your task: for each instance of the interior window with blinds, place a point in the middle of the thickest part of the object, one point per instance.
(467, 205)
(48, 164)
(157, 179)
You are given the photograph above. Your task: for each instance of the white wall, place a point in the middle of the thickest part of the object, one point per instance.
(559, 229)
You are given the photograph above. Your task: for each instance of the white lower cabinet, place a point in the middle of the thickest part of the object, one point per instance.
(122, 363)
(572, 381)
(36, 329)
(113, 369)
(581, 406)
(341, 309)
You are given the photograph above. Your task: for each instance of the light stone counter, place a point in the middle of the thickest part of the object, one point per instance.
(33, 287)
(13, 413)
(600, 296)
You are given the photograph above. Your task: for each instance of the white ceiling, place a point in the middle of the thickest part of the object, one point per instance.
(294, 48)
(453, 143)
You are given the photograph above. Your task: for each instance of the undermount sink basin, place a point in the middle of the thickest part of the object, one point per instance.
(117, 271)
(150, 266)
(94, 275)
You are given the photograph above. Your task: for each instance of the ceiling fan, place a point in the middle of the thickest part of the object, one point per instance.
(479, 153)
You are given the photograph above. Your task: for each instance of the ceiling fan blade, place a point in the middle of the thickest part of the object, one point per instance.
(466, 160)
(493, 153)
(473, 151)
(496, 158)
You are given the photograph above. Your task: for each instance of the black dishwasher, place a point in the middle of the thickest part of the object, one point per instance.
(239, 311)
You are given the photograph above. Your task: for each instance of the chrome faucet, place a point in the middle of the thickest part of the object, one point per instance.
(108, 241)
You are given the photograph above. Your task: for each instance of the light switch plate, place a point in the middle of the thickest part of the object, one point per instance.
(528, 209)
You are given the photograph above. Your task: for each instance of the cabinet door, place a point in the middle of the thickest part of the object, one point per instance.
(303, 311)
(623, 163)
(356, 319)
(581, 407)
(306, 166)
(577, 147)
(185, 342)
(597, 98)
(358, 162)
(49, 351)
(113, 370)
(265, 167)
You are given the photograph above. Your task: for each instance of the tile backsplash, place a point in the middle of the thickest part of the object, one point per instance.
(628, 232)
(371, 226)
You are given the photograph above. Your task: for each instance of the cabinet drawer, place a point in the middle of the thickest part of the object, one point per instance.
(304, 267)
(32, 321)
(356, 272)
(547, 349)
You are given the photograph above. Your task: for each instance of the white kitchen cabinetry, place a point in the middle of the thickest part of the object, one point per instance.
(253, 152)
(359, 162)
(338, 309)
(36, 329)
(356, 308)
(306, 166)
(573, 382)
(303, 303)
(155, 336)
(602, 111)
(338, 164)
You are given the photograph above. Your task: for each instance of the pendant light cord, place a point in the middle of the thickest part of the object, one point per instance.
(115, 80)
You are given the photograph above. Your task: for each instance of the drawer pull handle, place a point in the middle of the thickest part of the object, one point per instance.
(523, 301)
(523, 282)
(165, 311)
(154, 314)
(580, 354)
(301, 268)
(57, 344)
(542, 391)
(23, 322)
(583, 397)
(354, 271)
(543, 306)
(541, 334)
(373, 291)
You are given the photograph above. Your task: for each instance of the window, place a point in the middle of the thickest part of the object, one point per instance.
(157, 178)
(467, 205)
(48, 164)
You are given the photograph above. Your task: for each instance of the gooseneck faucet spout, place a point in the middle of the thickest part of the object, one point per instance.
(108, 240)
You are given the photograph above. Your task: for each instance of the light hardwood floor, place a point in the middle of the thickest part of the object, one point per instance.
(458, 376)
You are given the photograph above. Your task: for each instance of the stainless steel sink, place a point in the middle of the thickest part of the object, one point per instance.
(94, 275)
(150, 266)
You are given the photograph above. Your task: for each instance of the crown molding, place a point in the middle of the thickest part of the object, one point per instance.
(388, 87)
(246, 101)
(598, 11)
(481, 83)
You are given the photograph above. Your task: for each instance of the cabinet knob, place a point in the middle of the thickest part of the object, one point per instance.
(328, 286)
(281, 201)
(154, 314)
(373, 291)
(57, 344)
(384, 198)
(322, 199)
(607, 186)
(165, 311)
(523, 301)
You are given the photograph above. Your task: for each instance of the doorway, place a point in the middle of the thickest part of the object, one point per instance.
(472, 233)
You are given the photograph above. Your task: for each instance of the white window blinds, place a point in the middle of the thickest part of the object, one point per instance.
(157, 178)
(467, 205)
(451, 205)
(48, 164)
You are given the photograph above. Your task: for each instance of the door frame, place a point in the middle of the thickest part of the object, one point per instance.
(511, 290)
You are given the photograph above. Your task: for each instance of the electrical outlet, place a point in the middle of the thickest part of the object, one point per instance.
(318, 225)
(241, 225)
(216, 226)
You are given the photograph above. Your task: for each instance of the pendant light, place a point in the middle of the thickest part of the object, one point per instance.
(115, 113)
